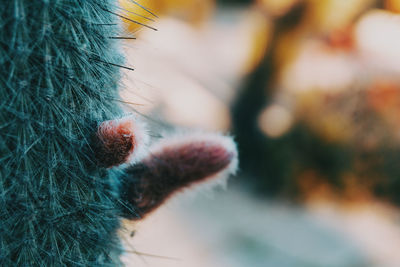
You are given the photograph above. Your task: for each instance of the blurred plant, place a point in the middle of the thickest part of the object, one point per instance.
(392, 5)
(321, 107)
(193, 11)
(263, 159)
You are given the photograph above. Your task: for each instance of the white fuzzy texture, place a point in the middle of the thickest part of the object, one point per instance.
(142, 139)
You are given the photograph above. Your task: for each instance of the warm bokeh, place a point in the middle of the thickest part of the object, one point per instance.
(311, 91)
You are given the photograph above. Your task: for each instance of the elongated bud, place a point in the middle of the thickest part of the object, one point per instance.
(176, 163)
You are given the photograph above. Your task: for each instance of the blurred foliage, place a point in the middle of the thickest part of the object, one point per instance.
(344, 133)
(192, 11)
(235, 2)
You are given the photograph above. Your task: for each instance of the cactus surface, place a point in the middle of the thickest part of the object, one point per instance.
(57, 83)
(62, 138)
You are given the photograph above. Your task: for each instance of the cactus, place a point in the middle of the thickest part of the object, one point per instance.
(69, 164)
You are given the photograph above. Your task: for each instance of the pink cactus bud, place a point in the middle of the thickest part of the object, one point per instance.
(176, 163)
(118, 141)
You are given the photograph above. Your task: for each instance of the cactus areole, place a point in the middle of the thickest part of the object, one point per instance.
(63, 138)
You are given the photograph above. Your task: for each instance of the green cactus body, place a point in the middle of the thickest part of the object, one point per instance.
(57, 82)
(61, 131)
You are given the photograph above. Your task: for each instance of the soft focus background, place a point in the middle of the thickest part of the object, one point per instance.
(310, 89)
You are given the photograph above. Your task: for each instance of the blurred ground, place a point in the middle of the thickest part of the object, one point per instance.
(231, 229)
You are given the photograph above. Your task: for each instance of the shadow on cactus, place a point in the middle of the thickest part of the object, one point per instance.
(71, 164)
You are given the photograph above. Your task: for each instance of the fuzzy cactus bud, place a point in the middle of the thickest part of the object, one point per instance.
(118, 141)
(176, 163)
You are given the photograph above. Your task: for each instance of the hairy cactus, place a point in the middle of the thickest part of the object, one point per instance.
(63, 189)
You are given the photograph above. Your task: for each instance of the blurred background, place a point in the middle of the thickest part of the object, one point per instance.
(310, 89)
